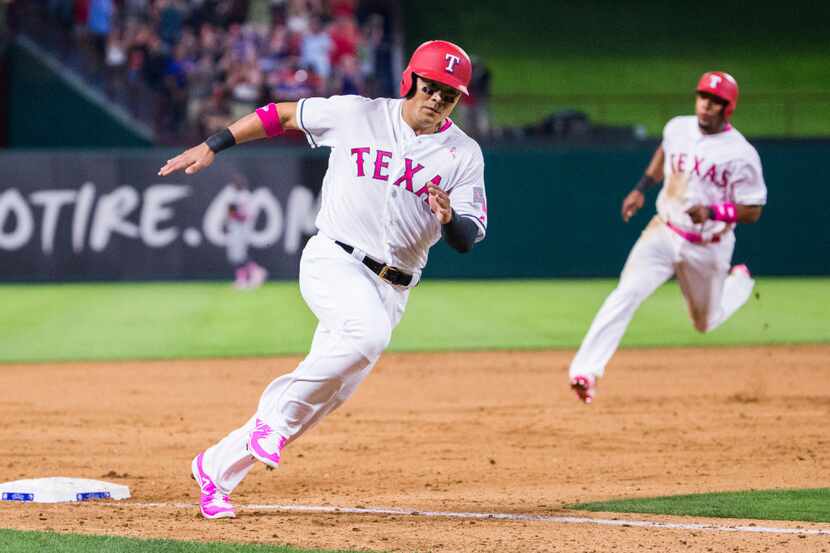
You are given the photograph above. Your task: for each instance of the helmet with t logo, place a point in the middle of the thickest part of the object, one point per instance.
(439, 61)
(722, 85)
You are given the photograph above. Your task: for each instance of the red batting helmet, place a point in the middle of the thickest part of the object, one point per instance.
(439, 61)
(723, 85)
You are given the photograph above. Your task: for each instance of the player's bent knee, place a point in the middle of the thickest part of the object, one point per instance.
(629, 295)
(316, 391)
(304, 398)
(374, 339)
(701, 319)
(372, 346)
(701, 326)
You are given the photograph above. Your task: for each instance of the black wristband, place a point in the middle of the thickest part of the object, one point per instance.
(460, 233)
(645, 183)
(220, 141)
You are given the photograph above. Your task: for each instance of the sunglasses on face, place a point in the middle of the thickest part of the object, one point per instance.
(448, 95)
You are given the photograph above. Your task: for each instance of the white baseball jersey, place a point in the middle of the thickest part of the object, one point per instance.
(238, 224)
(707, 169)
(375, 191)
(374, 198)
(699, 169)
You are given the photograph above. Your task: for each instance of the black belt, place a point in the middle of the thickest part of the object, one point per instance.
(387, 273)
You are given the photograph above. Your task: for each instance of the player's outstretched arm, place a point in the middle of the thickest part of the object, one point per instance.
(653, 175)
(270, 120)
(192, 160)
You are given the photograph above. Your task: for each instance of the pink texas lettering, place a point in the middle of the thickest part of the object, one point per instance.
(381, 162)
(698, 161)
(359, 159)
(435, 181)
(712, 173)
(681, 162)
(408, 173)
(724, 179)
(382, 158)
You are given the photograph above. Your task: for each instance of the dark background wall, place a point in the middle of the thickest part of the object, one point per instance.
(557, 213)
(88, 215)
(553, 212)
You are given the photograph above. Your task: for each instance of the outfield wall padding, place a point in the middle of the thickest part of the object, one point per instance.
(557, 213)
(83, 215)
(109, 216)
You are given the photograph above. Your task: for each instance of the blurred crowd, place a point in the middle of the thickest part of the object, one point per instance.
(208, 62)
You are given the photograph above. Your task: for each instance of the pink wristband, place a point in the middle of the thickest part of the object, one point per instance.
(726, 212)
(270, 119)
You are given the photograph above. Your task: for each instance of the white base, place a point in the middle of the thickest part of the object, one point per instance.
(61, 489)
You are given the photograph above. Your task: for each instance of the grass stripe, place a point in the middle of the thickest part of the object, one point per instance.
(805, 505)
(198, 320)
(13, 541)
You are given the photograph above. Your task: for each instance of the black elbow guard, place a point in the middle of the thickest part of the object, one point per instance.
(460, 233)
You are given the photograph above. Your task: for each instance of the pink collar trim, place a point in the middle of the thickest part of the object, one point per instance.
(447, 124)
(726, 128)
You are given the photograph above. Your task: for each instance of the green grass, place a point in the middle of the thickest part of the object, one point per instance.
(801, 505)
(613, 90)
(188, 320)
(13, 541)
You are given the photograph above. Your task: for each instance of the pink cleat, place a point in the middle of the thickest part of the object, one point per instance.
(265, 445)
(741, 270)
(258, 275)
(212, 503)
(241, 282)
(585, 386)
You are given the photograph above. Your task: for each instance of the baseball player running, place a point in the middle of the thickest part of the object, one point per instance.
(712, 180)
(401, 175)
(249, 274)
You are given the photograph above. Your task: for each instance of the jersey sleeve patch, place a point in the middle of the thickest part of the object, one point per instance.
(478, 195)
(469, 198)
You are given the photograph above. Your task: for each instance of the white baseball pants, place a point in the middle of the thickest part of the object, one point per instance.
(357, 313)
(237, 242)
(702, 270)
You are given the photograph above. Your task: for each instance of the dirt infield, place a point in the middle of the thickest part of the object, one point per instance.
(484, 432)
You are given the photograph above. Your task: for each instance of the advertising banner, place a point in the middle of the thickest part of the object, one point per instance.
(109, 216)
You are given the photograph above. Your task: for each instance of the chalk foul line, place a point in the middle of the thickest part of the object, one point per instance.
(511, 517)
